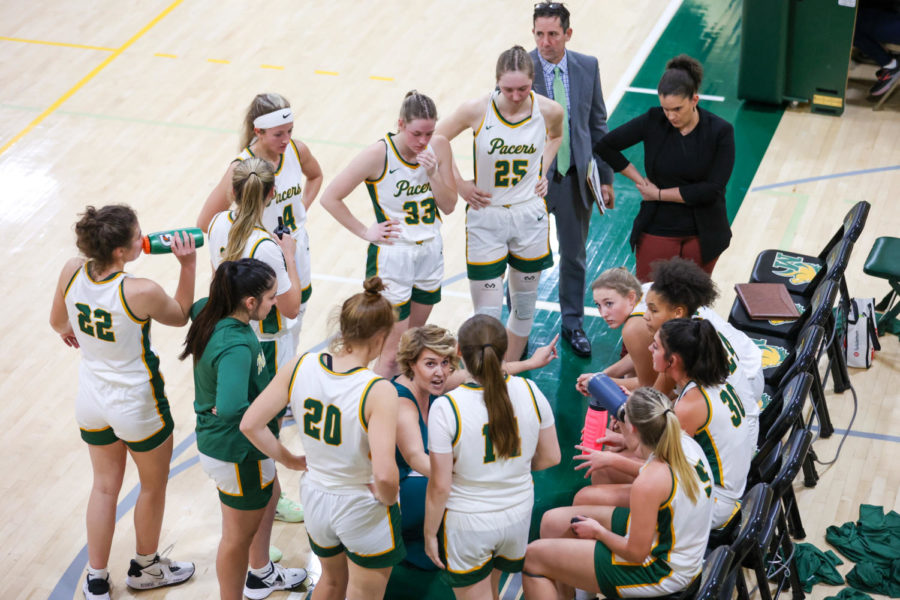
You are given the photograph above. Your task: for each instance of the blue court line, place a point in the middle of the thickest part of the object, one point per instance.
(882, 437)
(824, 177)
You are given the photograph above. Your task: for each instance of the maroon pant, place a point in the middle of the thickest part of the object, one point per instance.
(655, 247)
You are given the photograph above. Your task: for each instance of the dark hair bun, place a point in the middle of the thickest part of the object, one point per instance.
(411, 93)
(373, 287)
(689, 65)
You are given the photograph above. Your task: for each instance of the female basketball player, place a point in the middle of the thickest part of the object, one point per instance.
(229, 373)
(484, 440)
(517, 134)
(239, 234)
(409, 178)
(266, 134)
(121, 407)
(349, 426)
(618, 296)
(691, 353)
(652, 542)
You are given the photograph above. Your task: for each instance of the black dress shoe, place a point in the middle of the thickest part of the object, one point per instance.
(579, 342)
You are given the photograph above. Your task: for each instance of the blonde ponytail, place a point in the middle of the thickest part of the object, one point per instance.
(253, 180)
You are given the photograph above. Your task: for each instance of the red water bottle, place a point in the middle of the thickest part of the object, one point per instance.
(595, 422)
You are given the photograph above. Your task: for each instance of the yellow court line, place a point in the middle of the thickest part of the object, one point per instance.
(218, 61)
(164, 55)
(379, 78)
(318, 72)
(63, 44)
(276, 67)
(59, 101)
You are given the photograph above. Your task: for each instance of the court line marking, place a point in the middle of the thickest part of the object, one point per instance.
(165, 55)
(276, 67)
(219, 61)
(318, 72)
(770, 186)
(87, 78)
(60, 44)
(641, 55)
(652, 92)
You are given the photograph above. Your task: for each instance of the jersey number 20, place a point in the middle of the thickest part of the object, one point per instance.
(312, 422)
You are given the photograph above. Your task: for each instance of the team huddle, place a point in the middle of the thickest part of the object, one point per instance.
(418, 444)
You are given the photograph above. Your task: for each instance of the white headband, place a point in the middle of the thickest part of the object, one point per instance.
(274, 119)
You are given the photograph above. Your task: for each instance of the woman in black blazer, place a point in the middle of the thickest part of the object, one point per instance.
(688, 155)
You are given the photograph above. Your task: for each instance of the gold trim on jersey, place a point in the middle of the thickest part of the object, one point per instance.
(294, 374)
(456, 415)
(362, 403)
(128, 310)
(72, 280)
(280, 158)
(385, 169)
(109, 278)
(345, 373)
(533, 400)
(398, 155)
(507, 123)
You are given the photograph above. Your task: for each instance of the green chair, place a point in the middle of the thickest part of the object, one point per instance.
(884, 262)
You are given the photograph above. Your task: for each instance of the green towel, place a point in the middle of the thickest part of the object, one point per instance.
(850, 594)
(870, 577)
(814, 566)
(875, 537)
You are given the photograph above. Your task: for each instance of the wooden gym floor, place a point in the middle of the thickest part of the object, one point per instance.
(141, 103)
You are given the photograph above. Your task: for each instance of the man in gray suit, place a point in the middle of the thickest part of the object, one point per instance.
(573, 80)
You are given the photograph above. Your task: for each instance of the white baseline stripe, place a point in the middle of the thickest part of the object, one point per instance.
(641, 55)
(589, 311)
(638, 90)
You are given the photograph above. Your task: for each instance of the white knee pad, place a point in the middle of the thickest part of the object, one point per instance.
(523, 297)
(487, 296)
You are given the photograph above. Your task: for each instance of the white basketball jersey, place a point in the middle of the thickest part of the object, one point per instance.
(744, 361)
(682, 526)
(482, 481)
(115, 344)
(403, 192)
(508, 155)
(261, 246)
(725, 437)
(288, 191)
(641, 307)
(329, 407)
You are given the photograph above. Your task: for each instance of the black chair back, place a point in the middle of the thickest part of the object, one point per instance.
(773, 427)
(754, 508)
(792, 458)
(716, 569)
(851, 228)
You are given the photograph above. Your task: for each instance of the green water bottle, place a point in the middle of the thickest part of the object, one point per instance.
(161, 241)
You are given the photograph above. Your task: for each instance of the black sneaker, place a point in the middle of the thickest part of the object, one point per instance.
(96, 588)
(280, 578)
(886, 80)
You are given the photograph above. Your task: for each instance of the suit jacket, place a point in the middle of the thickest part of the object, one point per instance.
(587, 114)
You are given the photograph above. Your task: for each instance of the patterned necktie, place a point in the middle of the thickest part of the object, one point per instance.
(563, 157)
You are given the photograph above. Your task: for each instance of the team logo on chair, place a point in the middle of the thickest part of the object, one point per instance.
(772, 356)
(794, 267)
(778, 322)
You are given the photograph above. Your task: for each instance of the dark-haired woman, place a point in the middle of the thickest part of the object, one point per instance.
(121, 407)
(349, 424)
(484, 440)
(517, 134)
(691, 353)
(409, 178)
(229, 373)
(651, 543)
(688, 157)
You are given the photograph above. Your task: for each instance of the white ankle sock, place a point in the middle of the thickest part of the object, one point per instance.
(263, 572)
(891, 65)
(144, 560)
(97, 573)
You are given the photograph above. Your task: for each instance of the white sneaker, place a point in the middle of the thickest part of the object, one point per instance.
(161, 572)
(95, 588)
(279, 579)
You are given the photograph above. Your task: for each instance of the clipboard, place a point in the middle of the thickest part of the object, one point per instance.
(593, 185)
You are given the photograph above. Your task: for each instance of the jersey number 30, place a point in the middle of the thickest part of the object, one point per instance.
(101, 325)
(312, 422)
